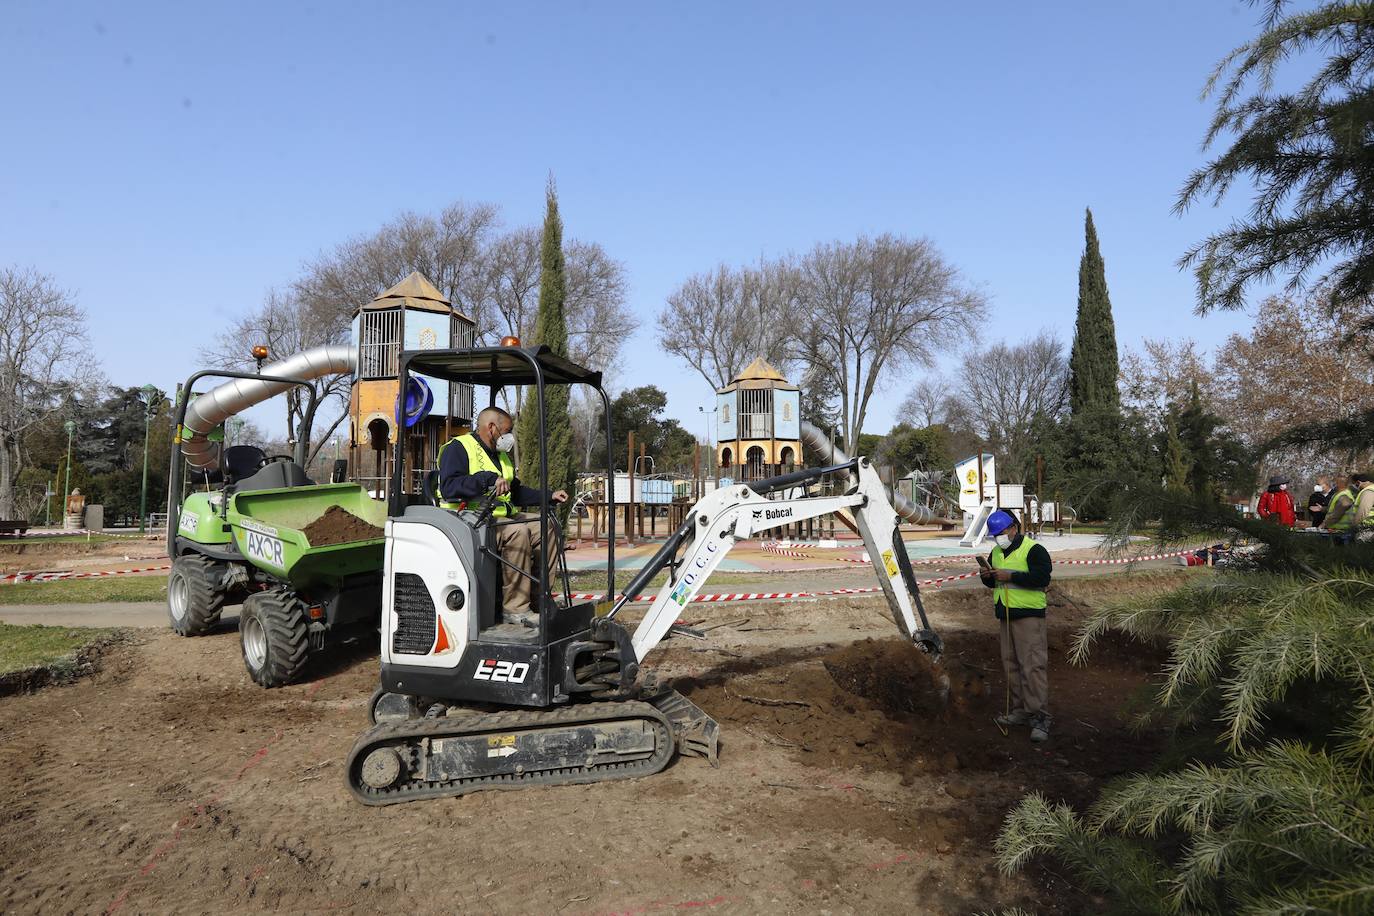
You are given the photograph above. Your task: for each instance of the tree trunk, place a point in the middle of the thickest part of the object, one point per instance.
(7, 465)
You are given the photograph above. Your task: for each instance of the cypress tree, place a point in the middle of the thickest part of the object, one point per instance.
(1093, 362)
(551, 329)
(1177, 469)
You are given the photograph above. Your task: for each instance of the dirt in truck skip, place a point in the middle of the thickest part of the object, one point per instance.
(168, 781)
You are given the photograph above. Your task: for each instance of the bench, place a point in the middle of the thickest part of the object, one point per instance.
(15, 528)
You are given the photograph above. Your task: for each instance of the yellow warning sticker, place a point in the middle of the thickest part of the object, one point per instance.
(889, 563)
(500, 740)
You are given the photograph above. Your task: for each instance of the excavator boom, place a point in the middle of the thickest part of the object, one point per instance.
(738, 512)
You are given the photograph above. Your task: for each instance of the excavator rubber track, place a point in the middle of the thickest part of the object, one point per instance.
(468, 751)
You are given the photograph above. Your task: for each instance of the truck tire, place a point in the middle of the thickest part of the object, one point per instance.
(194, 599)
(272, 634)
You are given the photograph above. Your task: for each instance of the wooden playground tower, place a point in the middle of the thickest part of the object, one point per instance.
(412, 315)
(758, 424)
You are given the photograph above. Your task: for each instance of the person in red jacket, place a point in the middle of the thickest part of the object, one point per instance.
(1276, 503)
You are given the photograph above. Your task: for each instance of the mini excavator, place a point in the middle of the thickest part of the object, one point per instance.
(471, 701)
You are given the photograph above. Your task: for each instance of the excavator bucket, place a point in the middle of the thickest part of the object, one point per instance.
(697, 734)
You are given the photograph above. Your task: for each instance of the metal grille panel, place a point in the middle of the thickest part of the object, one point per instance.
(756, 413)
(379, 341)
(415, 616)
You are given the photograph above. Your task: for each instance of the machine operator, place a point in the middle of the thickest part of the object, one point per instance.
(479, 463)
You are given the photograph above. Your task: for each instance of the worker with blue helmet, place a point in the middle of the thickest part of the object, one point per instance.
(1018, 572)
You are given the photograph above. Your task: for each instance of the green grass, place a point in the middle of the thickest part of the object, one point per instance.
(26, 646)
(86, 591)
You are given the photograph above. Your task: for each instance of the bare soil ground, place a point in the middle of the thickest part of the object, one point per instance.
(168, 781)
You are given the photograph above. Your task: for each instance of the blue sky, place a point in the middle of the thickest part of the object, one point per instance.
(170, 162)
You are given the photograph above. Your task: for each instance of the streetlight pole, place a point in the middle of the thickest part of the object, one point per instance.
(149, 393)
(706, 416)
(71, 428)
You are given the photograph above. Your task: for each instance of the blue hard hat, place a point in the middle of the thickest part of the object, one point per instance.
(999, 521)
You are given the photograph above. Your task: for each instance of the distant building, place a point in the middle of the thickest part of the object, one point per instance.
(758, 424)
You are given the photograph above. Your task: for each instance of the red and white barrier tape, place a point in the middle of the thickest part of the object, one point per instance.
(16, 578)
(968, 556)
(77, 532)
(771, 596)
(1119, 560)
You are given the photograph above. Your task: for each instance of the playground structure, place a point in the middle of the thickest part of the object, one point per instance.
(980, 495)
(412, 315)
(758, 424)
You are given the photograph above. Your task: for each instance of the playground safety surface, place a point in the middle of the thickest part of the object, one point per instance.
(167, 781)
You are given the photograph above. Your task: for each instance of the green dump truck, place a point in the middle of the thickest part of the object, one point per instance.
(303, 559)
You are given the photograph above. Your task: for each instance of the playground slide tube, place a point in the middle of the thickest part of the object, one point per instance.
(833, 454)
(224, 401)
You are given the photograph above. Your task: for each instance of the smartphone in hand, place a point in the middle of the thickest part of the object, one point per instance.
(983, 562)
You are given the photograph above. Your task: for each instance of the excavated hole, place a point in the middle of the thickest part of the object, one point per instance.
(882, 705)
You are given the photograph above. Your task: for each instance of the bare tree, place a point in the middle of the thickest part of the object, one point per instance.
(720, 320)
(927, 403)
(512, 285)
(1297, 366)
(875, 306)
(287, 325)
(1163, 372)
(1011, 387)
(449, 249)
(599, 322)
(43, 358)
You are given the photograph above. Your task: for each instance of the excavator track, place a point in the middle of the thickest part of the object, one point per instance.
(470, 751)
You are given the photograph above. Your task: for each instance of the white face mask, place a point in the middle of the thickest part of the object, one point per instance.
(1283, 486)
(1002, 541)
(505, 442)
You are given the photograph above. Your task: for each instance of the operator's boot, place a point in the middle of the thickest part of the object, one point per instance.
(523, 618)
(1040, 728)
(1015, 717)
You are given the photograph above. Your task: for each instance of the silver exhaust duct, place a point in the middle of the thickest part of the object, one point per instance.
(833, 454)
(218, 404)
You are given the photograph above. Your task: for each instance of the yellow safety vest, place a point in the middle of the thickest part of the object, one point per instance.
(479, 460)
(1017, 596)
(1368, 520)
(1346, 521)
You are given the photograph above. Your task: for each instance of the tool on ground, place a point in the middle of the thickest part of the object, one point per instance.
(471, 700)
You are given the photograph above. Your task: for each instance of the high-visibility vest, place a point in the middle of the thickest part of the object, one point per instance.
(479, 460)
(1346, 521)
(1017, 596)
(1368, 520)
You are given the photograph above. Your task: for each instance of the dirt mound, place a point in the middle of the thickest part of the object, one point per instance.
(339, 526)
(881, 704)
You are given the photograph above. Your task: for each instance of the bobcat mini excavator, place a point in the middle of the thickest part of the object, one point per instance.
(469, 701)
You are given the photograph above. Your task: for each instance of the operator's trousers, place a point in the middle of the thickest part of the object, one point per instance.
(1025, 659)
(518, 539)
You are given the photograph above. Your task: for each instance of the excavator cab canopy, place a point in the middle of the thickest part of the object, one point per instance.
(497, 367)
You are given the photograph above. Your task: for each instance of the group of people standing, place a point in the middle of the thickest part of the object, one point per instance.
(1342, 509)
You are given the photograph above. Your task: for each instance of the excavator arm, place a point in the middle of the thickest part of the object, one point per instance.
(731, 514)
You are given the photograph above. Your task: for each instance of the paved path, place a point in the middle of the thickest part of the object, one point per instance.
(97, 614)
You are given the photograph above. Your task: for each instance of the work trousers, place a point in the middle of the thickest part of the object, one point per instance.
(518, 539)
(1025, 659)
